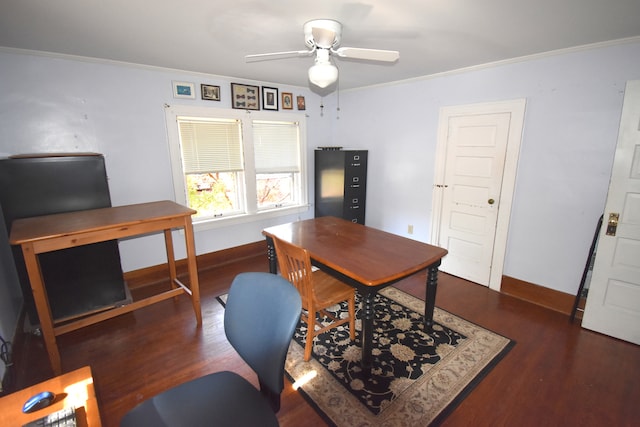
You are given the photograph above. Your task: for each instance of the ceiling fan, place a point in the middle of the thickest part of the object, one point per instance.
(323, 37)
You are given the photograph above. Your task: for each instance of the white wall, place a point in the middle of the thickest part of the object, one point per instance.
(574, 101)
(53, 104)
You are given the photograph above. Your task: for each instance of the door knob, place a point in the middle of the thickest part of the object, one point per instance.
(612, 224)
(491, 201)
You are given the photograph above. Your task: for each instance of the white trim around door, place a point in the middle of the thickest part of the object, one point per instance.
(501, 204)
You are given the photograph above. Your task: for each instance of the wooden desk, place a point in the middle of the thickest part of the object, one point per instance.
(60, 231)
(74, 389)
(364, 257)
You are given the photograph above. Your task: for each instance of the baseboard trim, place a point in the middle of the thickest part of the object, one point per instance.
(158, 273)
(530, 292)
(539, 295)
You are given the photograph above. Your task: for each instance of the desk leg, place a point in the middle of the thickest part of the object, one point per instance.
(193, 269)
(42, 306)
(271, 256)
(171, 258)
(430, 300)
(367, 327)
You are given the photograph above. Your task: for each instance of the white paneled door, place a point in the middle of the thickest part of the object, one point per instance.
(613, 302)
(478, 147)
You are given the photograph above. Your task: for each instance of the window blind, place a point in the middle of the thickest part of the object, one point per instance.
(276, 146)
(210, 145)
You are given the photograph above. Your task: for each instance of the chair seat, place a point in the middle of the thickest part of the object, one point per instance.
(219, 399)
(328, 289)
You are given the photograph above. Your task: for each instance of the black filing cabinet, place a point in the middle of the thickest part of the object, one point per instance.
(341, 183)
(78, 280)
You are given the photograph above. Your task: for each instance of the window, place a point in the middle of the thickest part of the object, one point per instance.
(234, 164)
(212, 165)
(277, 160)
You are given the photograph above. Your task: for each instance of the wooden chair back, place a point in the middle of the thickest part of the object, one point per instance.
(295, 266)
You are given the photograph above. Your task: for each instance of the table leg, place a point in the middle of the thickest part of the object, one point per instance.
(193, 269)
(430, 300)
(42, 306)
(171, 258)
(367, 327)
(271, 256)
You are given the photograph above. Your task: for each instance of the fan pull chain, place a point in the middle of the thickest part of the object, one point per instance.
(321, 107)
(338, 108)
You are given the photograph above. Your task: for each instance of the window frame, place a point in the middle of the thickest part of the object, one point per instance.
(285, 165)
(252, 212)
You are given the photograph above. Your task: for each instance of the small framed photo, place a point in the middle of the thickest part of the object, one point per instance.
(184, 90)
(210, 93)
(287, 101)
(269, 98)
(301, 104)
(245, 97)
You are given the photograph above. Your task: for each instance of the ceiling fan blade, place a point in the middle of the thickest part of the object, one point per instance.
(368, 54)
(277, 55)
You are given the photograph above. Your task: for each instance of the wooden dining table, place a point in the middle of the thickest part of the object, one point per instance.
(363, 257)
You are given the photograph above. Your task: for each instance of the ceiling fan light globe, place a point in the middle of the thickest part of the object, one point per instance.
(322, 75)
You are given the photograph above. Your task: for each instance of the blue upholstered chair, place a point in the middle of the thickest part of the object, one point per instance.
(261, 315)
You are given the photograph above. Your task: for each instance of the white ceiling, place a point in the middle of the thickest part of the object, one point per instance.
(212, 37)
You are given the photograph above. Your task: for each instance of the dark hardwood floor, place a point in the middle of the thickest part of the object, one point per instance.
(558, 374)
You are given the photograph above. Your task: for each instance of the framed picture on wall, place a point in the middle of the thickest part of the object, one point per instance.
(209, 92)
(287, 101)
(245, 97)
(301, 104)
(269, 98)
(184, 90)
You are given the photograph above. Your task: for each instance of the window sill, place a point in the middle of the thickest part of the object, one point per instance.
(209, 224)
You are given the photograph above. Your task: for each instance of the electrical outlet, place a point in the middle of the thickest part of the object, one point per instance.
(410, 229)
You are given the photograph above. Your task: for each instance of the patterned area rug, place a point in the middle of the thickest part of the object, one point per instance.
(417, 378)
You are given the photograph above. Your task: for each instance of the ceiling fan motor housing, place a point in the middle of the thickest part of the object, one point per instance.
(328, 33)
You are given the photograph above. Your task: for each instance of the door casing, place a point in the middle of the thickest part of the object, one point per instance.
(516, 108)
